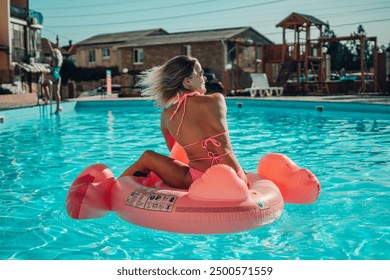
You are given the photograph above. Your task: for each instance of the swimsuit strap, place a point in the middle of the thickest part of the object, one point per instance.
(204, 142)
(182, 99)
(215, 158)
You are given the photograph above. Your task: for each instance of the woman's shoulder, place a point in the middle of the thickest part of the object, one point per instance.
(211, 102)
(214, 97)
(217, 99)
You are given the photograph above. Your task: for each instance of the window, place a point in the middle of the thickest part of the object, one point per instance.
(138, 56)
(17, 35)
(18, 42)
(106, 52)
(187, 50)
(275, 71)
(258, 54)
(91, 56)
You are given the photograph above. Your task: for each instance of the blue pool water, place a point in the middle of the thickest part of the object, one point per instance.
(41, 154)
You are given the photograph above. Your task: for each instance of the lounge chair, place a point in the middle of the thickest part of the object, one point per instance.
(261, 86)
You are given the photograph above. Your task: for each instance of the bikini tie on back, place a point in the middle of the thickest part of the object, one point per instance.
(213, 141)
(215, 158)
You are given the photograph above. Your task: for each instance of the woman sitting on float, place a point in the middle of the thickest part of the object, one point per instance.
(196, 121)
(201, 187)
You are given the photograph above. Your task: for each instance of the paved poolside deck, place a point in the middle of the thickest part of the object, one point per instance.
(13, 101)
(373, 98)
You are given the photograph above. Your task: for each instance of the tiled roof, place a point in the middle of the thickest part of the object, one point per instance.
(190, 37)
(160, 36)
(297, 18)
(120, 37)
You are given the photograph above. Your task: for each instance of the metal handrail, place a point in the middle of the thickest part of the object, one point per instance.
(41, 81)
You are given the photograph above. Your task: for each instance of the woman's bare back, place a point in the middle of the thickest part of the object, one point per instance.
(204, 117)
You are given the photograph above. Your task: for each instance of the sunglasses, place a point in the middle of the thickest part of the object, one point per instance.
(200, 74)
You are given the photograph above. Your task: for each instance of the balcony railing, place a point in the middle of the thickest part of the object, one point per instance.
(293, 51)
(18, 54)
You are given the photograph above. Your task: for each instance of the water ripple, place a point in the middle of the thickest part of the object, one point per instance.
(40, 157)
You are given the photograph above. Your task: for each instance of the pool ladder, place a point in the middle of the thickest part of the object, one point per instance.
(40, 91)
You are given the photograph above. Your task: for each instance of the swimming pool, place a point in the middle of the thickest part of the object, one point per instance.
(41, 154)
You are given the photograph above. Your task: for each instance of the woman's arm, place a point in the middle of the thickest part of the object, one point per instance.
(51, 47)
(169, 140)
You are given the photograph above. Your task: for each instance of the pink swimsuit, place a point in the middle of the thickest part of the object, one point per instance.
(214, 158)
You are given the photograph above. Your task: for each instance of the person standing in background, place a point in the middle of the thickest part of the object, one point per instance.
(55, 66)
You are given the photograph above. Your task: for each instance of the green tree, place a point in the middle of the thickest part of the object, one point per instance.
(355, 48)
(346, 55)
(70, 71)
(340, 55)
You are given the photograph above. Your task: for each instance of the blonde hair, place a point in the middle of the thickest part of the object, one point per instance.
(162, 83)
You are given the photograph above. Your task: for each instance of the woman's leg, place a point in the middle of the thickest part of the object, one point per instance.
(174, 173)
(57, 94)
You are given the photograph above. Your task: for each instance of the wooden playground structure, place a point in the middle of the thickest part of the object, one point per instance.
(303, 65)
